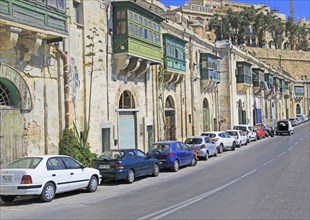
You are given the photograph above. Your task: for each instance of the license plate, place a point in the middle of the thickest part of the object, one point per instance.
(6, 179)
(104, 166)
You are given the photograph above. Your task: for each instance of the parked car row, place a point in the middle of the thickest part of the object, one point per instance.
(48, 175)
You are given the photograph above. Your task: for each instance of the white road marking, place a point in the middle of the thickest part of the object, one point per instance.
(281, 154)
(248, 173)
(268, 162)
(171, 209)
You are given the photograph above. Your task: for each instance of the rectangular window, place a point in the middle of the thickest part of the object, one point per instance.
(120, 14)
(145, 34)
(136, 30)
(154, 38)
(130, 29)
(150, 36)
(78, 15)
(121, 27)
(140, 19)
(176, 53)
(61, 4)
(154, 26)
(145, 21)
(158, 28)
(130, 15)
(141, 32)
(158, 39)
(52, 3)
(136, 17)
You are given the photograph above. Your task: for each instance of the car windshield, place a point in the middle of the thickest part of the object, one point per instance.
(193, 141)
(160, 147)
(25, 163)
(110, 154)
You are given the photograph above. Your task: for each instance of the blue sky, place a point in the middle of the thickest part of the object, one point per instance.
(302, 7)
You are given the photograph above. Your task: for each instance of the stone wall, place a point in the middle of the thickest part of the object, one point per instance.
(296, 63)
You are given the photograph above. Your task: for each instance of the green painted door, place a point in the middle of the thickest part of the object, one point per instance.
(11, 136)
(206, 119)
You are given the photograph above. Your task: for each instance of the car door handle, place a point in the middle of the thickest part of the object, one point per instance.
(53, 174)
(71, 173)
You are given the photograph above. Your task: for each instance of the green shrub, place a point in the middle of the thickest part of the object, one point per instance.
(70, 145)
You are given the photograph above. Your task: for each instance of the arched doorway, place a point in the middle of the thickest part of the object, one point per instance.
(14, 99)
(11, 123)
(298, 110)
(170, 119)
(127, 124)
(206, 115)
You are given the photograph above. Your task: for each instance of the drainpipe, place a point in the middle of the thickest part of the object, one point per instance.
(64, 55)
(232, 95)
(191, 66)
(107, 60)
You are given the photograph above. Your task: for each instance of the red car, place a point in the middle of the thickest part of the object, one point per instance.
(261, 133)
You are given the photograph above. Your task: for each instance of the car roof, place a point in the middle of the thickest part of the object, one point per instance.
(233, 130)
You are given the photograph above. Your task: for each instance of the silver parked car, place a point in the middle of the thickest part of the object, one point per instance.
(202, 145)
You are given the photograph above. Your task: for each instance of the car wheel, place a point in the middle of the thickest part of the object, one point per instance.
(155, 170)
(221, 149)
(130, 176)
(175, 167)
(7, 198)
(193, 162)
(215, 154)
(233, 146)
(206, 156)
(93, 184)
(48, 192)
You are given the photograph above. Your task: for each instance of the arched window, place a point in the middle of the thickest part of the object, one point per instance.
(126, 100)
(205, 104)
(169, 103)
(9, 95)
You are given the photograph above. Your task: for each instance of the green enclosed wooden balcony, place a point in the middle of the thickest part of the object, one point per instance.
(47, 15)
(299, 91)
(174, 59)
(258, 80)
(269, 82)
(137, 41)
(244, 76)
(209, 70)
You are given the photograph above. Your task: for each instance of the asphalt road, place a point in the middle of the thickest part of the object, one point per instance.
(267, 179)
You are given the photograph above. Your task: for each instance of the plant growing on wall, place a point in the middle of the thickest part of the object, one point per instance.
(75, 142)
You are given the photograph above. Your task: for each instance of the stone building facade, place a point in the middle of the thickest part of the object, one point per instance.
(152, 78)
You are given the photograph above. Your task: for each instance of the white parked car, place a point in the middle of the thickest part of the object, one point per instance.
(222, 140)
(251, 134)
(202, 145)
(45, 176)
(240, 137)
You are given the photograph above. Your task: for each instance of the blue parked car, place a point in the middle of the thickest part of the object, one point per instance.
(173, 154)
(126, 164)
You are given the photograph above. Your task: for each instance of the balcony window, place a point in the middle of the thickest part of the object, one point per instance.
(78, 12)
(121, 14)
